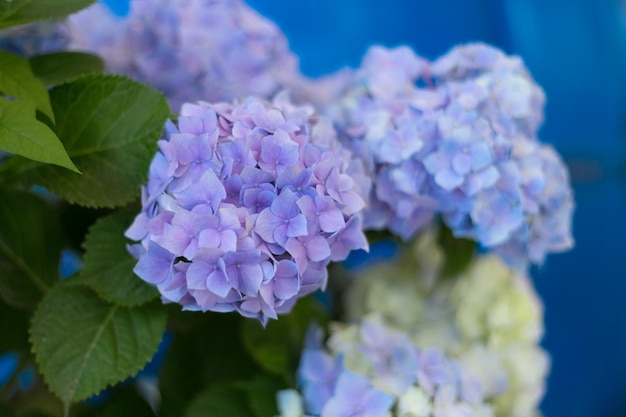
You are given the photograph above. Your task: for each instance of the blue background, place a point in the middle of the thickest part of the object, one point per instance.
(575, 49)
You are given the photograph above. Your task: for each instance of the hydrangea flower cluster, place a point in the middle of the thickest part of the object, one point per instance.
(371, 370)
(489, 318)
(245, 206)
(189, 49)
(458, 137)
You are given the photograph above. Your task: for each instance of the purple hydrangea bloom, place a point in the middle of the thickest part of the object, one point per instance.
(245, 206)
(376, 121)
(457, 137)
(370, 369)
(355, 394)
(190, 49)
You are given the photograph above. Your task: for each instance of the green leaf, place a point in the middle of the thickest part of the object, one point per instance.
(206, 350)
(220, 400)
(62, 67)
(9, 8)
(109, 126)
(14, 325)
(6, 411)
(21, 133)
(277, 347)
(83, 344)
(17, 80)
(30, 248)
(15, 172)
(261, 394)
(108, 267)
(43, 9)
(124, 402)
(77, 220)
(458, 252)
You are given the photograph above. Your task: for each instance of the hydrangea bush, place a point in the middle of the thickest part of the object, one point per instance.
(209, 190)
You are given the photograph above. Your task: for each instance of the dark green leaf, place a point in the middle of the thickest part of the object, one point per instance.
(109, 126)
(6, 411)
(277, 347)
(206, 350)
(261, 394)
(14, 325)
(77, 220)
(15, 172)
(17, 80)
(30, 248)
(21, 133)
(108, 267)
(9, 8)
(220, 400)
(83, 344)
(62, 67)
(44, 9)
(124, 402)
(458, 252)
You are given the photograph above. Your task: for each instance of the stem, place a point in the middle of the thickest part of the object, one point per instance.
(19, 262)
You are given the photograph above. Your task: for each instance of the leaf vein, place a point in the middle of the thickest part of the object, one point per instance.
(90, 348)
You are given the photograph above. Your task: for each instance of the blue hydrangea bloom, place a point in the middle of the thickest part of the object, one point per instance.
(245, 206)
(190, 49)
(457, 138)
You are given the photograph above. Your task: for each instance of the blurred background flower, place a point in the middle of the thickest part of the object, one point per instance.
(488, 317)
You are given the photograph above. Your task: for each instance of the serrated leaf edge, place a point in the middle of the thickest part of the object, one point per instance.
(88, 284)
(92, 345)
(118, 202)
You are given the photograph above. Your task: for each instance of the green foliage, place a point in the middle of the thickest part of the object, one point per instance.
(206, 350)
(260, 394)
(277, 347)
(36, 402)
(29, 257)
(14, 325)
(9, 8)
(21, 133)
(6, 411)
(254, 397)
(18, 81)
(83, 344)
(31, 10)
(220, 400)
(458, 252)
(62, 67)
(108, 267)
(124, 402)
(109, 126)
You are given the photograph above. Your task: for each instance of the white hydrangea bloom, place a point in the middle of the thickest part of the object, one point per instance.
(289, 402)
(489, 318)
